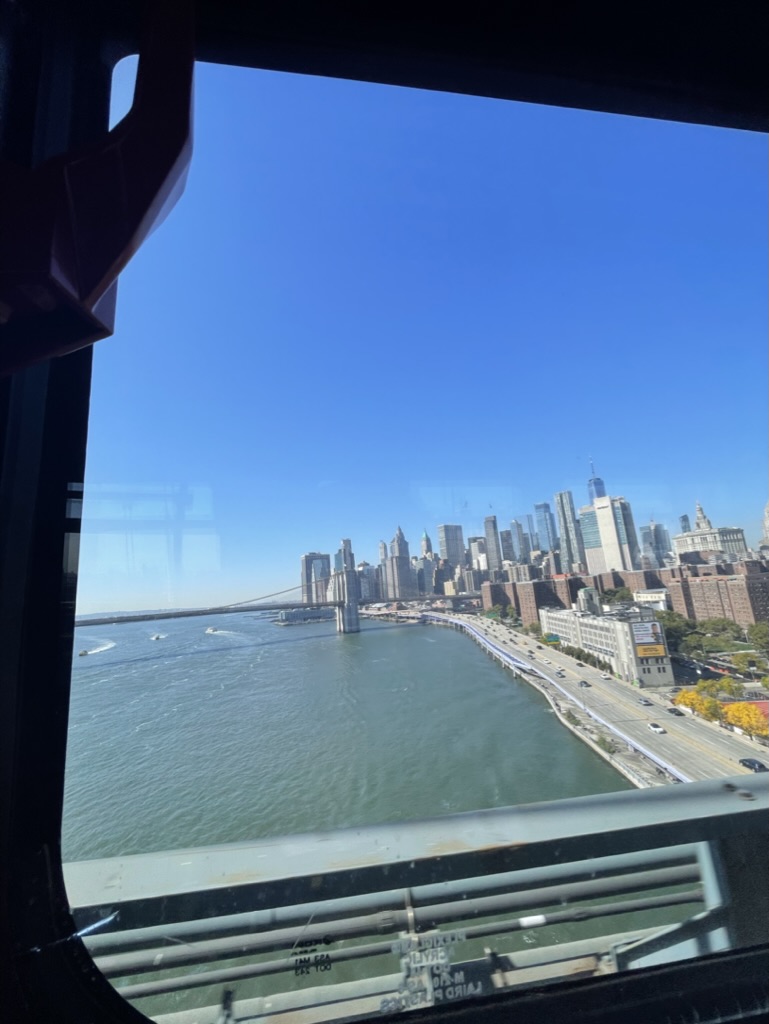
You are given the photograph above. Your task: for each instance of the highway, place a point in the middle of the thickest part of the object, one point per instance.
(698, 749)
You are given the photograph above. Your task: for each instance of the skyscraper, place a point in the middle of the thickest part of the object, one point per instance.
(344, 558)
(478, 556)
(609, 535)
(399, 546)
(686, 525)
(533, 538)
(548, 538)
(506, 543)
(521, 548)
(655, 544)
(595, 486)
(427, 545)
(493, 552)
(572, 548)
(425, 567)
(400, 581)
(452, 545)
(369, 582)
(316, 571)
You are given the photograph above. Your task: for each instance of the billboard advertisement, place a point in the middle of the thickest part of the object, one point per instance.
(649, 639)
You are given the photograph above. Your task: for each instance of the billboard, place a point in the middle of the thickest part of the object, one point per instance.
(650, 650)
(649, 639)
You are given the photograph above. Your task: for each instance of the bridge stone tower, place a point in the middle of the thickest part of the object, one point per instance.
(345, 589)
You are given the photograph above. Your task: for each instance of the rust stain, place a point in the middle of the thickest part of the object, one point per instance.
(235, 878)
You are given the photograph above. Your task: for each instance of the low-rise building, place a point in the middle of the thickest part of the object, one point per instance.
(633, 642)
(657, 599)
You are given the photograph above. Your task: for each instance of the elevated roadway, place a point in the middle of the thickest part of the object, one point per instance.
(694, 748)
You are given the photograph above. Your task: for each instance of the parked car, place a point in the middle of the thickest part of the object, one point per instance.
(656, 728)
(676, 689)
(584, 682)
(753, 764)
(646, 703)
(580, 665)
(675, 711)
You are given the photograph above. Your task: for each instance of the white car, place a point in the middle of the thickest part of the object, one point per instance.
(656, 728)
(605, 675)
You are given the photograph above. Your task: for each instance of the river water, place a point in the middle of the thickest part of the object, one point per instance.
(255, 730)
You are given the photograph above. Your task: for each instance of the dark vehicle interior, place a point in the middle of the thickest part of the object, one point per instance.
(76, 201)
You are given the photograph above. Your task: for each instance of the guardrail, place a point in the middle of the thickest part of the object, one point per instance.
(412, 914)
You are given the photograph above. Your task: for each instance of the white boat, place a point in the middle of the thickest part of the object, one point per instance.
(212, 629)
(156, 636)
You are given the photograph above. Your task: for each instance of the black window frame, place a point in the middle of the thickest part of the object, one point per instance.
(689, 63)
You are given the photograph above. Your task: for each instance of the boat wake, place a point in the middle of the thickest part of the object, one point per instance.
(105, 645)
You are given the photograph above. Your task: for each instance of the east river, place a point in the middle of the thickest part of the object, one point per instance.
(198, 738)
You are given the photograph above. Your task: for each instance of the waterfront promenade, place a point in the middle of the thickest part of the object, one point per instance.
(608, 712)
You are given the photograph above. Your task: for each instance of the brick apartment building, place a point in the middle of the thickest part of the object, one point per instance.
(558, 592)
(738, 591)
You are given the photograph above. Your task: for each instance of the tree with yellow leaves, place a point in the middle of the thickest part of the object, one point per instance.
(746, 717)
(712, 709)
(700, 704)
(691, 699)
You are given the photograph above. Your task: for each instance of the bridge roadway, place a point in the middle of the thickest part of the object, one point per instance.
(186, 613)
(227, 609)
(696, 748)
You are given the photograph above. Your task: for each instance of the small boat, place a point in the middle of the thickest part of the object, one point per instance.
(156, 636)
(83, 654)
(212, 629)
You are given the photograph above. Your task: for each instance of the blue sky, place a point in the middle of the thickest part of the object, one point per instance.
(377, 306)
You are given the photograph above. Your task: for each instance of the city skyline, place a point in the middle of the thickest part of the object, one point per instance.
(639, 528)
(310, 346)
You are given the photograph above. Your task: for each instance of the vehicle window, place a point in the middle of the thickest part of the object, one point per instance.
(348, 417)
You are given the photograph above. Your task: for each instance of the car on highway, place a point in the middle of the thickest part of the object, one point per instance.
(584, 682)
(580, 665)
(753, 764)
(675, 711)
(646, 703)
(605, 675)
(656, 728)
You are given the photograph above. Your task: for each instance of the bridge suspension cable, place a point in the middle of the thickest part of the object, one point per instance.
(264, 597)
